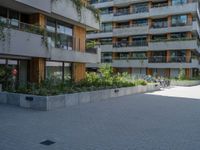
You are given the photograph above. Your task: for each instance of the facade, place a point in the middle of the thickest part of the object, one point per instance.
(153, 37)
(45, 39)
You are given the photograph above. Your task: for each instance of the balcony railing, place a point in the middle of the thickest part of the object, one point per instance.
(120, 13)
(46, 35)
(163, 24)
(132, 25)
(140, 10)
(172, 59)
(160, 5)
(173, 39)
(131, 58)
(131, 44)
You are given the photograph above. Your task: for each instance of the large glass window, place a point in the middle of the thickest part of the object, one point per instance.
(106, 27)
(58, 70)
(64, 37)
(178, 56)
(106, 57)
(51, 28)
(179, 20)
(14, 18)
(67, 71)
(60, 34)
(140, 8)
(54, 70)
(179, 2)
(138, 55)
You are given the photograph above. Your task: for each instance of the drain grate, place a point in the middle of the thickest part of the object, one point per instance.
(47, 142)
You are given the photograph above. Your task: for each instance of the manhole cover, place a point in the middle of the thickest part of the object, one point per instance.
(47, 142)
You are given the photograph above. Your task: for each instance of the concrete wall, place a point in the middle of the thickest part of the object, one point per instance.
(67, 9)
(44, 5)
(172, 45)
(170, 10)
(131, 31)
(31, 45)
(53, 102)
(185, 83)
(99, 35)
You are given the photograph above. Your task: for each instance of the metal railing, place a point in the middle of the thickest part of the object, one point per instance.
(130, 44)
(73, 44)
(171, 59)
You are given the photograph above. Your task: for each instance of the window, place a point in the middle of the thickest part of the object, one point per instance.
(67, 71)
(106, 27)
(106, 57)
(3, 14)
(14, 18)
(178, 35)
(58, 70)
(140, 8)
(108, 10)
(54, 70)
(179, 2)
(178, 56)
(179, 20)
(140, 22)
(60, 34)
(160, 23)
(64, 37)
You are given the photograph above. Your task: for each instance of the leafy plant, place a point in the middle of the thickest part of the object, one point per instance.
(181, 75)
(91, 44)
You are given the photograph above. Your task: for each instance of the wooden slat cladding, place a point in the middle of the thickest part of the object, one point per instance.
(80, 38)
(79, 71)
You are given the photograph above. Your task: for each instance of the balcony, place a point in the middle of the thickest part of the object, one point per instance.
(29, 41)
(130, 62)
(103, 3)
(176, 28)
(127, 2)
(99, 35)
(137, 13)
(173, 62)
(107, 17)
(172, 44)
(176, 9)
(130, 47)
(131, 30)
(107, 47)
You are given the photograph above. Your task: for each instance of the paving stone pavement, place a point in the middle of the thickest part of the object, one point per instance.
(136, 122)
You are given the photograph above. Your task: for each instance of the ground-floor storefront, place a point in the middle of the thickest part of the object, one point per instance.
(16, 70)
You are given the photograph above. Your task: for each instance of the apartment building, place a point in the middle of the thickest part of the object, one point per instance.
(153, 37)
(42, 39)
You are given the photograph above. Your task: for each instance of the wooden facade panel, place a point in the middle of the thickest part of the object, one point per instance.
(79, 71)
(80, 38)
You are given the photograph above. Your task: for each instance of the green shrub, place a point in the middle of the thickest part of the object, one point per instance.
(104, 79)
(181, 75)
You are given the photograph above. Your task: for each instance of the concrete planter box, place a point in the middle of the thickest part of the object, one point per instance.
(45, 103)
(185, 83)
